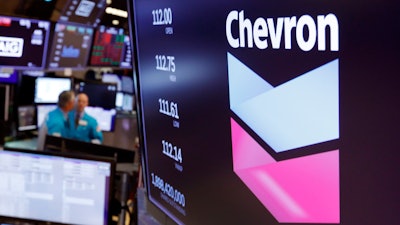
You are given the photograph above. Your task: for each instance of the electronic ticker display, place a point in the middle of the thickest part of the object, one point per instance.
(126, 59)
(83, 11)
(71, 46)
(23, 42)
(108, 47)
(269, 112)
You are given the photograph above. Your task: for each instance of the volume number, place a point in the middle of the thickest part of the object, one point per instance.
(176, 195)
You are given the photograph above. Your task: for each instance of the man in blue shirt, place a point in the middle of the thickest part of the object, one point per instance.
(57, 120)
(83, 126)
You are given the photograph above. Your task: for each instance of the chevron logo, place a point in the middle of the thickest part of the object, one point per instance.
(299, 113)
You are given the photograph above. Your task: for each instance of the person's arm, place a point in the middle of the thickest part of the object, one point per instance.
(96, 133)
(54, 124)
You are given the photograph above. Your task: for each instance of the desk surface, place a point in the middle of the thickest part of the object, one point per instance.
(30, 144)
(127, 167)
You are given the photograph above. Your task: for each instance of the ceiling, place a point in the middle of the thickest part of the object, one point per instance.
(52, 9)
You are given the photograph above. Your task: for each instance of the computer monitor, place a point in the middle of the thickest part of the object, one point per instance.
(42, 111)
(47, 89)
(127, 84)
(100, 94)
(71, 46)
(40, 186)
(9, 78)
(60, 144)
(33, 73)
(26, 118)
(112, 78)
(23, 42)
(105, 117)
(108, 47)
(128, 101)
(83, 11)
(119, 100)
(25, 90)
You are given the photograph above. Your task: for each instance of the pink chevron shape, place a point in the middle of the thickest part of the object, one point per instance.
(299, 190)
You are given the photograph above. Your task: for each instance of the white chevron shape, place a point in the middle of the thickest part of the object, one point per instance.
(298, 113)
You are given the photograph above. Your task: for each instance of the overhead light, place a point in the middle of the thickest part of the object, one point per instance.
(115, 22)
(117, 12)
(109, 2)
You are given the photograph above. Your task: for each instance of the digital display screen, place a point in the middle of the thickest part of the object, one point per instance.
(119, 100)
(269, 112)
(124, 101)
(33, 73)
(104, 117)
(41, 187)
(128, 102)
(108, 47)
(25, 91)
(26, 118)
(126, 60)
(71, 46)
(23, 42)
(9, 78)
(100, 94)
(83, 11)
(127, 84)
(47, 89)
(112, 78)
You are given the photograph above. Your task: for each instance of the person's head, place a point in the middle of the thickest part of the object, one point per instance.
(66, 100)
(82, 100)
